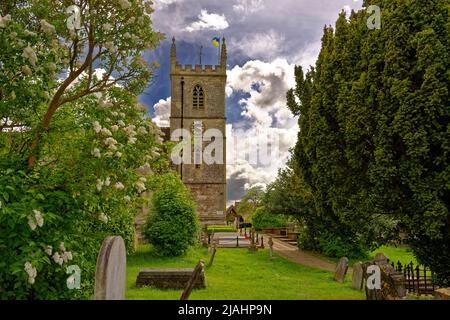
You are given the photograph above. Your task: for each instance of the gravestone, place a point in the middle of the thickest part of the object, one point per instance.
(392, 283)
(358, 276)
(213, 254)
(168, 278)
(252, 247)
(110, 270)
(380, 259)
(199, 270)
(270, 247)
(442, 294)
(341, 270)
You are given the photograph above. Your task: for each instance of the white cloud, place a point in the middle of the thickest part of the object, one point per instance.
(248, 6)
(162, 112)
(265, 116)
(208, 21)
(260, 45)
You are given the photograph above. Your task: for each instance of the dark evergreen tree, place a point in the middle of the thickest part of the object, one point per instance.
(374, 140)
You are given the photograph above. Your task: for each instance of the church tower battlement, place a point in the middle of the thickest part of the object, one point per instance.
(199, 101)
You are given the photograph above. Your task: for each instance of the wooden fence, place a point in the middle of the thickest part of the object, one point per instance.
(418, 279)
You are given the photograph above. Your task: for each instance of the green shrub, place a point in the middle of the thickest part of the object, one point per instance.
(264, 219)
(173, 223)
(213, 229)
(337, 246)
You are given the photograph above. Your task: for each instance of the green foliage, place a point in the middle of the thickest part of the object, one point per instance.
(73, 148)
(220, 228)
(250, 202)
(374, 131)
(264, 219)
(173, 222)
(333, 245)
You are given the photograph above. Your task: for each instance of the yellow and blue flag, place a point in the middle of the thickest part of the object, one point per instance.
(216, 41)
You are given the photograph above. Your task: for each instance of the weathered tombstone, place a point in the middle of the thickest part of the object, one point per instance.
(262, 242)
(270, 247)
(391, 282)
(442, 294)
(110, 270)
(358, 276)
(341, 270)
(213, 254)
(199, 270)
(252, 247)
(380, 259)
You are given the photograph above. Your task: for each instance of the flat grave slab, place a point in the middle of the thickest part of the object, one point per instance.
(168, 278)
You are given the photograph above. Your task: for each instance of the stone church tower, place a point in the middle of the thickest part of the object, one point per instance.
(199, 104)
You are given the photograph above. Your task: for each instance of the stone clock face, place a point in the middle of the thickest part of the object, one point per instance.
(198, 127)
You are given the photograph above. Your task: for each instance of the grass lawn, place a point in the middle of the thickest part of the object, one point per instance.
(402, 254)
(238, 274)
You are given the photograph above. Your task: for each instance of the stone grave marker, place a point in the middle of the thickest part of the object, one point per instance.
(358, 276)
(198, 271)
(213, 254)
(380, 259)
(270, 247)
(110, 270)
(252, 246)
(341, 270)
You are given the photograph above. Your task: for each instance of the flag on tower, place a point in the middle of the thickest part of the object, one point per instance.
(216, 41)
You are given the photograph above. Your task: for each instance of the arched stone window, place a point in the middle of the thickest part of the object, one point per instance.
(198, 97)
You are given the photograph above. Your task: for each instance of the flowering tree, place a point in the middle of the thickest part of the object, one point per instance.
(75, 144)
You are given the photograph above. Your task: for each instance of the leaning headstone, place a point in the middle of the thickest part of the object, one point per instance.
(198, 271)
(213, 254)
(110, 270)
(380, 259)
(341, 270)
(358, 276)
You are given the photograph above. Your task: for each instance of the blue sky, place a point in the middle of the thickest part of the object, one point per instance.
(265, 40)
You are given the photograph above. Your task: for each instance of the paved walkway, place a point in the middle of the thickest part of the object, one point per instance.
(294, 254)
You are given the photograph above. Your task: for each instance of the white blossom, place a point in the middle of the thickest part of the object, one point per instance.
(57, 258)
(110, 46)
(124, 4)
(31, 271)
(102, 217)
(132, 140)
(118, 154)
(49, 250)
(62, 247)
(97, 127)
(27, 70)
(31, 223)
(121, 123)
(106, 132)
(38, 217)
(107, 26)
(67, 256)
(119, 186)
(47, 27)
(142, 130)
(28, 53)
(114, 128)
(127, 199)
(4, 20)
(110, 141)
(29, 33)
(114, 114)
(107, 181)
(99, 185)
(96, 153)
(141, 186)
